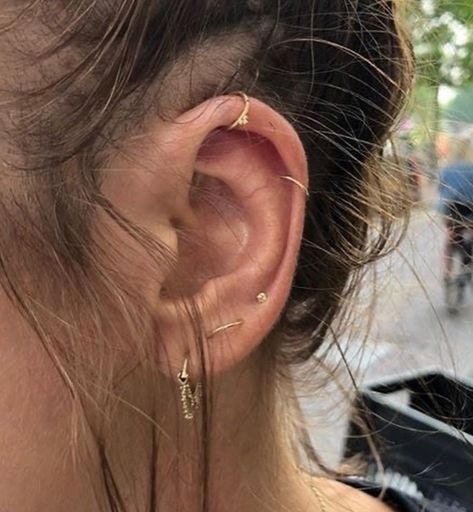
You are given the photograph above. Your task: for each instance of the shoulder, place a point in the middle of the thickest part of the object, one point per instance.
(339, 494)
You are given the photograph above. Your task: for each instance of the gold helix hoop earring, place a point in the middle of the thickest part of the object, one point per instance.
(298, 183)
(243, 117)
(190, 400)
(224, 328)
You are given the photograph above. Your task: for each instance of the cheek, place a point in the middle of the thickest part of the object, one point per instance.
(35, 436)
(136, 273)
(136, 262)
(32, 390)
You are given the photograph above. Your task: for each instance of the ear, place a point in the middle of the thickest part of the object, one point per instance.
(216, 198)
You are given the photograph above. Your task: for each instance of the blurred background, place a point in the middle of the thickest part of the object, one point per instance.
(413, 329)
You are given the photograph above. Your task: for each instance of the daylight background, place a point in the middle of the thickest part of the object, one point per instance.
(412, 331)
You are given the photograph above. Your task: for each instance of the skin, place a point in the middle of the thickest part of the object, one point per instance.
(256, 235)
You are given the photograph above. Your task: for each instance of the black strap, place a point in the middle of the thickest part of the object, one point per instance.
(399, 501)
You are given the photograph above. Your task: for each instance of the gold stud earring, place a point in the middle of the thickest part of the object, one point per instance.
(242, 119)
(190, 400)
(262, 297)
(224, 328)
(298, 183)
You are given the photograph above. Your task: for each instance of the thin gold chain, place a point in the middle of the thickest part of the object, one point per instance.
(317, 494)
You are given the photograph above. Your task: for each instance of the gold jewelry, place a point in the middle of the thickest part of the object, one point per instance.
(322, 506)
(298, 183)
(224, 328)
(243, 117)
(190, 400)
(262, 297)
(309, 479)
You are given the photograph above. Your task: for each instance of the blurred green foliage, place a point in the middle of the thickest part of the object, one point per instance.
(442, 35)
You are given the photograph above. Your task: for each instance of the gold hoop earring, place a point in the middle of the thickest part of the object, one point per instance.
(298, 183)
(190, 400)
(224, 328)
(243, 117)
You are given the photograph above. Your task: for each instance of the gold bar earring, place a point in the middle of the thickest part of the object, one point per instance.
(223, 328)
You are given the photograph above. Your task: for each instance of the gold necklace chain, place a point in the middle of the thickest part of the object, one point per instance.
(319, 498)
(317, 493)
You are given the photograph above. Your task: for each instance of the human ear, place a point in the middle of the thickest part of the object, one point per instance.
(230, 205)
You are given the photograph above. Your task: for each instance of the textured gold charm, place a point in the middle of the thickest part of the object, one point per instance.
(243, 118)
(190, 400)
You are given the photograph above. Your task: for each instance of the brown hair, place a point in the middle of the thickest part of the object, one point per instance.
(338, 70)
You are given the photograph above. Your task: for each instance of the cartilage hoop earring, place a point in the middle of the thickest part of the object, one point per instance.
(190, 400)
(298, 183)
(243, 117)
(262, 297)
(223, 328)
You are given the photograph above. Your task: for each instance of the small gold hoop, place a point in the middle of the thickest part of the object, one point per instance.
(298, 183)
(224, 328)
(243, 117)
(183, 376)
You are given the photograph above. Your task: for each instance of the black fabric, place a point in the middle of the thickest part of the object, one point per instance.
(459, 213)
(405, 501)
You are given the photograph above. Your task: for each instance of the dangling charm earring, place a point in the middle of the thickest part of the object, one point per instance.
(190, 400)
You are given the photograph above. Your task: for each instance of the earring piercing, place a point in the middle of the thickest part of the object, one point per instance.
(190, 400)
(224, 328)
(298, 183)
(262, 297)
(243, 117)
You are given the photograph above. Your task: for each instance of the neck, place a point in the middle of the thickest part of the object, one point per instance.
(246, 462)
